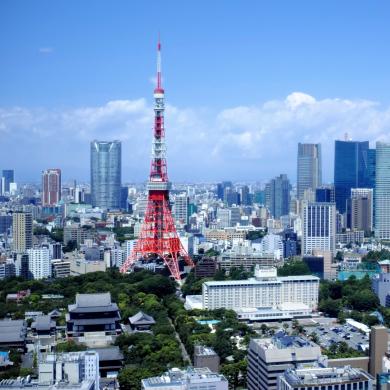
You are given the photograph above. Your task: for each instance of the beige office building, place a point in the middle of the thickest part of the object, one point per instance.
(22, 231)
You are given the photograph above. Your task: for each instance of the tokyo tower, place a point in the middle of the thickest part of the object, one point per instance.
(158, 236)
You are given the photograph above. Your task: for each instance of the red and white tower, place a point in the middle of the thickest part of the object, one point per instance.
(158, 236)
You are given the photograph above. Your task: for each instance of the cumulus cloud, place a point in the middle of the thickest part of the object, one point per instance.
(245, 142)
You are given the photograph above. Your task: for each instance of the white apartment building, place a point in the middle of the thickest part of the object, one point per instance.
(74, 367)
(265, 290)
(319, 227)
(39, 264)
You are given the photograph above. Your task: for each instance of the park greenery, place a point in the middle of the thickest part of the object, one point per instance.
(374, 256)
(351, 296)
(341, 350)
(293, 268)
(193, 285)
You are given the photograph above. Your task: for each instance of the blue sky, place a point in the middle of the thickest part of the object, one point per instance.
(245, 81)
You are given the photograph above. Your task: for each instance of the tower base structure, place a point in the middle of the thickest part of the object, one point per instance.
(158, 237)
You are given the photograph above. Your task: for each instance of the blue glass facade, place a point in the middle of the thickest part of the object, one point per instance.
(8, 177)
(106, 174)
(354, 165)
(278, 196)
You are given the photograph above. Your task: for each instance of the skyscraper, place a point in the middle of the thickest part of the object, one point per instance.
(221, 189)
(39, 263)
(362, 209)
(278, 196)
(353, 168)
(309, 174)
(106, 174)
(319, 227)
(22, 232)
(7, 178)
(382, 191)
(51, 187)
(180, 208)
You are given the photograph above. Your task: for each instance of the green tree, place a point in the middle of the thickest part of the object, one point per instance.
(292, 268)
(70, 346)
(130, 377)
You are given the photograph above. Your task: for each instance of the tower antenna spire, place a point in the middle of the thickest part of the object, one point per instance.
(159, 76)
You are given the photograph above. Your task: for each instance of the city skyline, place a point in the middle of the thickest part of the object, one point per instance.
(232, 108)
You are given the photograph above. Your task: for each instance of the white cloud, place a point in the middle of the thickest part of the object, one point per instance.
(245, 142)
(45, 50)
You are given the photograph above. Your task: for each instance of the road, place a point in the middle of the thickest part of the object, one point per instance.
(184, 353)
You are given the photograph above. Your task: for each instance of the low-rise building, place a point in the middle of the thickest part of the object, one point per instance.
(13, 334)
(206, 357)
(265, 290)
(325, 378)
(190, 379)
(72, 367)
(141, 322)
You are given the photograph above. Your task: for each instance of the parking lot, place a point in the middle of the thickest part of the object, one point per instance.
(330, 333)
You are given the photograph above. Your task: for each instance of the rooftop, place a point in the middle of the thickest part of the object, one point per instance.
(323, 376)
(254, 281)
(201, 350)
(283, 341)
(176, 376)
(93, 303)
(141, 318)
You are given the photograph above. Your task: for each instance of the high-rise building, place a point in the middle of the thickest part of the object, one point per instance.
(39, 264)
(21, 265)
(309, 174)
(124, 198)
(22, 231)
(231, 197)
(180, 208)
(362, 209)
(106, 174)
(379, 344)
(325, 194)
(382, 191)
(353, 168)
(245, 196)
(5, 223)
(270, 358)
(278, 196)
(221, 189)
(319, 227)
(7, 178)
(51, 187)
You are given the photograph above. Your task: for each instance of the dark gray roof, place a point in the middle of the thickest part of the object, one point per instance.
(43, 323)
(55, 313)
(109, 353)
(93, 303)
(141, 318)
(94, 321)
(93, 300)
(12, 331)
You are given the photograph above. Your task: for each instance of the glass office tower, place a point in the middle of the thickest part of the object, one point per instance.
(7, 179)
(106, 169)
(353, 168)
(382, 191)
(309, 168)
